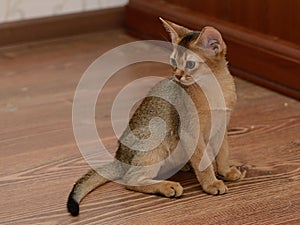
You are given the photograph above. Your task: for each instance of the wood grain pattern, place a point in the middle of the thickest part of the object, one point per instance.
(39, 160)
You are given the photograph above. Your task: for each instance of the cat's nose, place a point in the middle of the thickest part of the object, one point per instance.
(178, 76)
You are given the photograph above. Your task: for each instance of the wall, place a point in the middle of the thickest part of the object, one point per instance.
(277, 18)
(261, 35)
(15, 10)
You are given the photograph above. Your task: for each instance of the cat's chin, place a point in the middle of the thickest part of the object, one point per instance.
(186, 82)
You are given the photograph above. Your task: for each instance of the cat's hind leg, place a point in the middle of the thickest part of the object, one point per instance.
(142, 179)
(165, 188)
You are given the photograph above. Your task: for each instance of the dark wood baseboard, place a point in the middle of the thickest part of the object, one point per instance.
(60, 26)
(257, 57)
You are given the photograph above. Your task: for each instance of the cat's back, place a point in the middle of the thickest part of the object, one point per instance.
(159, 102)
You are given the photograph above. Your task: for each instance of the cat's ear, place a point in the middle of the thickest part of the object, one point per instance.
(211, 40)
(176, 31)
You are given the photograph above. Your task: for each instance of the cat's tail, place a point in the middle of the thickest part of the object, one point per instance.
(91, 180)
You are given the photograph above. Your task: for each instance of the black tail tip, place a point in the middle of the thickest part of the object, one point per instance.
(73, 206)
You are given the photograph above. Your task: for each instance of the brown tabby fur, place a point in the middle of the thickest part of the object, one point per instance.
(210, 47)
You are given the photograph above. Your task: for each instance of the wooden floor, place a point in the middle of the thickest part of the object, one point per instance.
(39, 160)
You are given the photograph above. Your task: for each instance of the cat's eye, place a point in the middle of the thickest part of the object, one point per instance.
(173, 62)
(190, 64)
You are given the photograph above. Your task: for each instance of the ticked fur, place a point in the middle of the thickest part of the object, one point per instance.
(210, 48)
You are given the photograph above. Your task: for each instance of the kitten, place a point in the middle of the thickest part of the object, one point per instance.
(211, 49)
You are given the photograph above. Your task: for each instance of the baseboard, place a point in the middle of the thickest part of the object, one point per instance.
(254, 56)
(60, 26)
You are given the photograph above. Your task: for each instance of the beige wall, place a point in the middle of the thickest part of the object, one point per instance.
(14, 10)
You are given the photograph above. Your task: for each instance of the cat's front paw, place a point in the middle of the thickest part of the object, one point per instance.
(233, 174)
(171, 189)
(216, 188)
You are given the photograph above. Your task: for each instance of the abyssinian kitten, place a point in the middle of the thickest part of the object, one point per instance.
(211, 49)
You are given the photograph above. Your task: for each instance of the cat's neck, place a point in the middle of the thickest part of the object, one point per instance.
(219, 83)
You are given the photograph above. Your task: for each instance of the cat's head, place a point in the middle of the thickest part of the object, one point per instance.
(194, 51)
